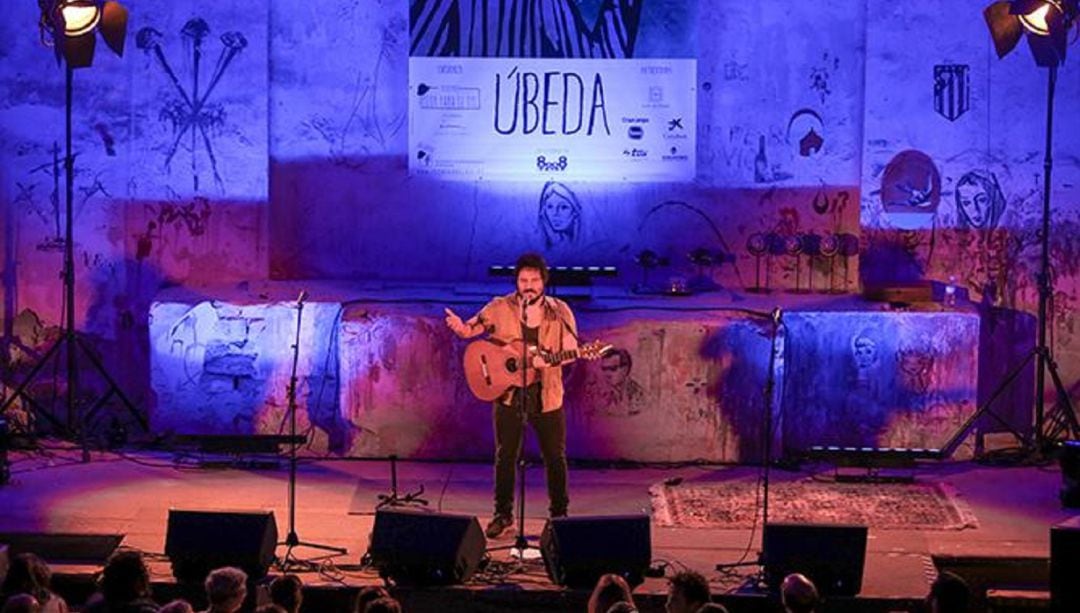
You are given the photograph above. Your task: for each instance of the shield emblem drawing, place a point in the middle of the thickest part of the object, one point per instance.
(952, 91)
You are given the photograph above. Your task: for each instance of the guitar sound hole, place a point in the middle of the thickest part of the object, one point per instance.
(511, 365)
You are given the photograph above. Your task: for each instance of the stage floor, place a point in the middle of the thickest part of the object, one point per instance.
(130, 494)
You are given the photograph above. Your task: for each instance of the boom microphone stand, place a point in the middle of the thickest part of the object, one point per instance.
(292, 540)
(521, 542)
(776, 318)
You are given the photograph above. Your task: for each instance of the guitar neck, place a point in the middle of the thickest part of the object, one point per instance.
(561, 356)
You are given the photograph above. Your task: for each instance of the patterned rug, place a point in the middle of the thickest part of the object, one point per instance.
(885, 506)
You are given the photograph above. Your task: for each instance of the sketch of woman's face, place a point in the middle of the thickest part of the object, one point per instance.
(864, 349)
(974, 203)
(559, 212)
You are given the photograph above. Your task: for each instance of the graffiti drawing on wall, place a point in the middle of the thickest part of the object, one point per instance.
(191, 218)
(372, 120)
(820, 75)
(952, 90)
(916, 366)
(863, 405)
(559, 215)
(191, 114)
(808, 126)
(983, 248)
(26, 199)
(911, 183)
(979, 201)
(523, 28)
(614, 392)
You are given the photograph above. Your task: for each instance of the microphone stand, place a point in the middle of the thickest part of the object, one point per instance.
(776, 317)
(521, 542)
(770, 385)
(392, 499)
(288, 561)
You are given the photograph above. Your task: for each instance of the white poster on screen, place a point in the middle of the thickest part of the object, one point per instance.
(581, 119)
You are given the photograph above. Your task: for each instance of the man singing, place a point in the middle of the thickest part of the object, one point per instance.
(547, 324)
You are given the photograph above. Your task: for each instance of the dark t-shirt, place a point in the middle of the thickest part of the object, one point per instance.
(533, 401)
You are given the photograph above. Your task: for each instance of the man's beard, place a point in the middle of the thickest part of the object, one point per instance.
(531, 297)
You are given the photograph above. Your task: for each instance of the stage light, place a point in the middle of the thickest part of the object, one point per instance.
(1047, 23)
(648, 258)
(830, 245)
(79, 17)
(69, 27)
(793, 244)
(1038, 21)
(756, 245)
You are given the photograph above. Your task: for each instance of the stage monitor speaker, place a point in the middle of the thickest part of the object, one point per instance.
(198, 542)
(579, 550)
(424, 548)
(832, 556)
(1064, 560)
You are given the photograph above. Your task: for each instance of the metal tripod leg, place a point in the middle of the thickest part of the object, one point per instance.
(21, 390)
(113, 389)
(962, 432)
(1064, 414)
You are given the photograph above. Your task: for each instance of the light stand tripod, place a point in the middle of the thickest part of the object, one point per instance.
(292, 540)
(69, 342)
(1065, 422)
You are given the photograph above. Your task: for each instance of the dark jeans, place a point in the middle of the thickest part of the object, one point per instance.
(550, 431)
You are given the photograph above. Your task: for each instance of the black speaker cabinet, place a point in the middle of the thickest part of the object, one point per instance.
(832, 556)
(578, 550)
(1064, 560)
(198, 542)
(424, 548)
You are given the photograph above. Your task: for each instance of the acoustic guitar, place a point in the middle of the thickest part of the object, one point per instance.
(491, 367)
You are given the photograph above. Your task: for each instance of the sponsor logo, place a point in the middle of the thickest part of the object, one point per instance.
(635, 132)
(543, 164)
(652, 70)
(656, 98)
(675, 129)
(634, 152)
(448, 98)
(674, 154)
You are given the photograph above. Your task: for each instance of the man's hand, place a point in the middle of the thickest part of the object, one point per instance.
(455, 324)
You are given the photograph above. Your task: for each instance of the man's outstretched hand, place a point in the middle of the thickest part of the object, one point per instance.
(456, 325)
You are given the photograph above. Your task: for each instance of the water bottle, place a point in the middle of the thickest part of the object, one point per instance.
(950, 292)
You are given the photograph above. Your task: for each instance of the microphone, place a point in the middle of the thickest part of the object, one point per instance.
(303, 296)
